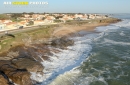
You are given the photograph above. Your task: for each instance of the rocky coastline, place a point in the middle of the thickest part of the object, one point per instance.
(20, 61)
(26, 59)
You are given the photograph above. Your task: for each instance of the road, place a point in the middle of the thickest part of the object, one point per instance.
(15, 31)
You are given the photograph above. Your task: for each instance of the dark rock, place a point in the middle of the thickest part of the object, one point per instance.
(45, 57)
(26, 63)
(19, 76)
(11, 35)
(62, 42)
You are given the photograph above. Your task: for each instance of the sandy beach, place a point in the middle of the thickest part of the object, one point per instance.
(69, 29)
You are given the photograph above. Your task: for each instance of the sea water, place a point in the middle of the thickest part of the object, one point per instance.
(95, 59)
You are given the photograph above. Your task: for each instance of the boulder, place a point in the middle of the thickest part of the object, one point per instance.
(3, 81)
(62, 42)
(29, 64)
(18, 76)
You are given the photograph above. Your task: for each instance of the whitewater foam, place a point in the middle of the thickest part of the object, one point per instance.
(65, 60)
(124, 23)
(115, 42)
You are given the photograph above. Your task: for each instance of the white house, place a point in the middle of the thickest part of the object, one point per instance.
(91, 16)
(49, 19)
(78, 15)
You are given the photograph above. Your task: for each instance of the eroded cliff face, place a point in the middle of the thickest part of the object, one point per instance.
(20, 61)
(18, 68)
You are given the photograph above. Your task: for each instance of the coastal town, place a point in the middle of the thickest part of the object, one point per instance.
(65, 42)
(23, 20)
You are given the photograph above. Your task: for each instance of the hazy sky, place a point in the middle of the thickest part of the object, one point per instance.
(71, 6)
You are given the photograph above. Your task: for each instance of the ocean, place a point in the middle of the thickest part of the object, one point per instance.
(97, 58)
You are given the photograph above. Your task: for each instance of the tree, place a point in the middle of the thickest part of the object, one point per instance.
(3, 17)
(16, 15)
(24, 13)
(31, 13)
(43, 18)
(59, 17)
(31, 23)
(106, 15)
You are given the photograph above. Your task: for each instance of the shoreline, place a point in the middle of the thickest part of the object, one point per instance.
(64, 30)
(18, 61)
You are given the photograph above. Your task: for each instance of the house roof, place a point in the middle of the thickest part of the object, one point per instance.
(22, 23)
(11, 23)
(5, 21)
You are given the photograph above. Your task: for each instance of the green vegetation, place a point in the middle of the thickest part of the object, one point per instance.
(6, 42)
(3, 17)
(43, 18)
(57, 21)
(58, 17)
(30, 23)
(80, 22)
(15, 17)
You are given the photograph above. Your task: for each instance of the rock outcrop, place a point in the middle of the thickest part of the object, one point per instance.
(18, 76)
(3, 81)
(62, 42)
(28, 64)
(22, 60)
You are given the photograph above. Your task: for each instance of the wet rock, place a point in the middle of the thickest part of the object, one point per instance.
(110, 20)
(18, 76)
(3, 81)
(62, 42)
(8, 56)
(34, 54)
(26, 63)
(12, 54)
(45, 57)
(21, 78)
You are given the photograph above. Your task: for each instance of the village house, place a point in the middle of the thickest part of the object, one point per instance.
(49, 19)
(78, 16)
(11, 25)
(92, 16)
(35, 17)
(104, 16)
(22, 23)
(66, 17)
(39, 22)
(5, 21)
(84, 17)
(98, 16)
(26, 15)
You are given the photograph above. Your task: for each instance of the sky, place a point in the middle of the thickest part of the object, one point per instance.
(69, 6)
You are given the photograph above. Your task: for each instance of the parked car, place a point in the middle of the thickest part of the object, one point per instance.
(20, 27)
